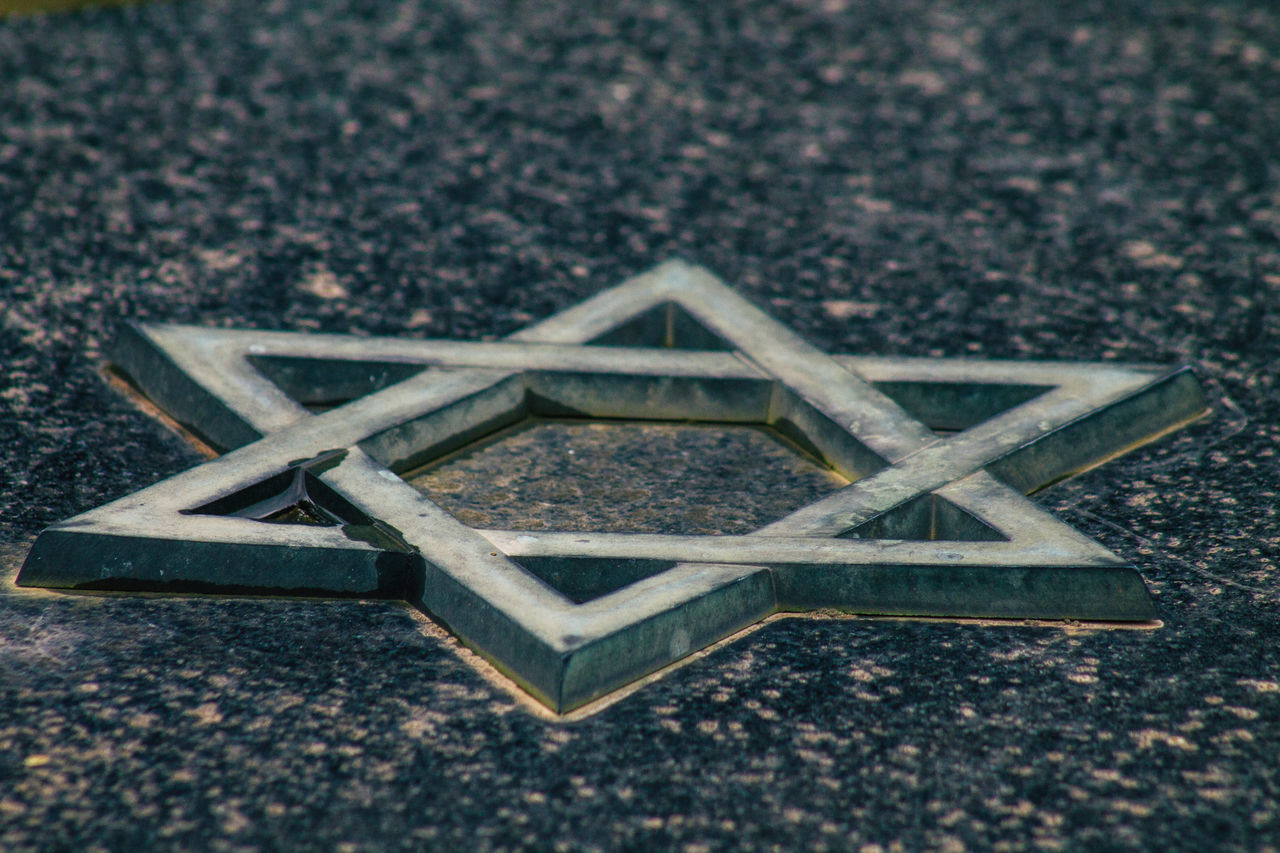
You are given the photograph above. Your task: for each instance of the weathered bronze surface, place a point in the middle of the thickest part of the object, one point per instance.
(309, 499)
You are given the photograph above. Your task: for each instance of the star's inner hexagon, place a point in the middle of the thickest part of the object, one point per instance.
(627, 477)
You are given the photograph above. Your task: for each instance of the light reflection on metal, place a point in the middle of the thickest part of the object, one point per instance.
(940, 453)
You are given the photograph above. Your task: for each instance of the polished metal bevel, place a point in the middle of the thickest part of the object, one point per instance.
(882, 545)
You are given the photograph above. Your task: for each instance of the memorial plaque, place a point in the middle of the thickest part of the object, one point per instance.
(917, 470)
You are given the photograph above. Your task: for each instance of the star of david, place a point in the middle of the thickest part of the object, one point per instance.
(308, 500)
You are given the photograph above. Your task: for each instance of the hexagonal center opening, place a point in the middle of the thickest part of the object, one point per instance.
(626, 477)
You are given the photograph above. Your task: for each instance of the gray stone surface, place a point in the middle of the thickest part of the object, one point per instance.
(1071, 181)
(628, 478)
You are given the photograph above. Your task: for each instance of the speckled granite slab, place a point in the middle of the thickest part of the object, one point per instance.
(1009, 181)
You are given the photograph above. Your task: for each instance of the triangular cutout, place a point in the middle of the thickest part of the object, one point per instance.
(298, 496)
(947, 407)
(320, 384)
(584, 579)
(286, 498)
(928, 518)
(666, 325)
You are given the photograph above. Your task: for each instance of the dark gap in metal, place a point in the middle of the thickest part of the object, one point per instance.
(320, 384)
(294, 496)
(928, 518)
(300, 513)
(667, 325)
(582, 579)
(953, 406)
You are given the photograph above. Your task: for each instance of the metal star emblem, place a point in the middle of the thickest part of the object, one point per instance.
(935, 523)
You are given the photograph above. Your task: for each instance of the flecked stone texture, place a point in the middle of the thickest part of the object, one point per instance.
(621, 477)
(1075, 180)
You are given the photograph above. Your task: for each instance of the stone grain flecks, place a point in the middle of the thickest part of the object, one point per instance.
(141, 137)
